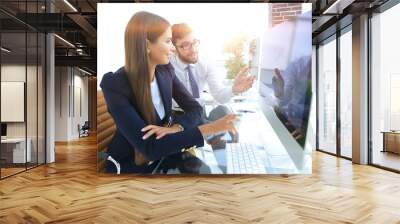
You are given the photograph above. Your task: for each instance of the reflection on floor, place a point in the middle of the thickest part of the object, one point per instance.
(387, 159)
(11, 169)
(346, 152)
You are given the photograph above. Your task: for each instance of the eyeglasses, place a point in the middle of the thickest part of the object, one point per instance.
(188, 45)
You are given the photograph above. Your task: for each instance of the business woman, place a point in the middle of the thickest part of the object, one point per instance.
(139, 97)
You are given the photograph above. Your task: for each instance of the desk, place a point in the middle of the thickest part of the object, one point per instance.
(259, 126)
(13, 150)
(391, 141)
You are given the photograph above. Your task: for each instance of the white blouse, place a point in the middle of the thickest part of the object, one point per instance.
(156, 98)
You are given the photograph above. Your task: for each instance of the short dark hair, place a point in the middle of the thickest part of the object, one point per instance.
(179, 31)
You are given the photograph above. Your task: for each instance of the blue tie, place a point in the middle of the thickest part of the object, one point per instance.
(193, 83)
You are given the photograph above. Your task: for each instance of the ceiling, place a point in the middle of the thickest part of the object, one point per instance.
(331, 16)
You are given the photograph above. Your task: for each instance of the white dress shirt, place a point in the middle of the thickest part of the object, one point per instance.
(156, 98)
(204, 74)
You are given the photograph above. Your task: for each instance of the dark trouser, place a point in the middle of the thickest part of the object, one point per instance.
(215, 114)
(128, 166)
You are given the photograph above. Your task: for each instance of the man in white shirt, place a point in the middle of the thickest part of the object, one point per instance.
(195, 73)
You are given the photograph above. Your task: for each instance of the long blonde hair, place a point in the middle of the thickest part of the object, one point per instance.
(141, 27)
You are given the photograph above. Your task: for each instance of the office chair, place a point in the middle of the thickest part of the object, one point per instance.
(84, 130)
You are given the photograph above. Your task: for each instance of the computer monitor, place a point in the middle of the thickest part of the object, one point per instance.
(285, 73)
(3, 129)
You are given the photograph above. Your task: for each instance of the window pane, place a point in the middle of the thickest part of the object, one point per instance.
(327, 97)
(346, 94)
(386, 89)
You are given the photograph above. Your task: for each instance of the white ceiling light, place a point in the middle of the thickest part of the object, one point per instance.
(65, 41)
(337, 7)
(86, 72)
(70, 5)
(5, 50)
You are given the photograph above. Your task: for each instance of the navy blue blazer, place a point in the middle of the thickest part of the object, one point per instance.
(121, 105)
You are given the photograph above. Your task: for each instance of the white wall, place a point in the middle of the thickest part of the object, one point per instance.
(61, 103)
(80, 85)
(70, 83)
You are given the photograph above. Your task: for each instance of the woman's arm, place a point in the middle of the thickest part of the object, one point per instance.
(226, 123)
(130, 124)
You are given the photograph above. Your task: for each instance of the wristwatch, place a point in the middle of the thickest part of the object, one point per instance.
(180, 127)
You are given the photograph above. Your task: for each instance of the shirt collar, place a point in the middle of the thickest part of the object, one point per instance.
(182, 65)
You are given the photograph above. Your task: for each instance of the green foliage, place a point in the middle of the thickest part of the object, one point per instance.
(234, 50)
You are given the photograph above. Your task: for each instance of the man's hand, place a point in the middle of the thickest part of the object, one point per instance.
(298, 134)
(159, 131)
(226, 123)
(242, 82)
(279, 83)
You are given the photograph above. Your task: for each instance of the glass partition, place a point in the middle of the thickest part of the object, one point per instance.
(22, 87)
(13, 87)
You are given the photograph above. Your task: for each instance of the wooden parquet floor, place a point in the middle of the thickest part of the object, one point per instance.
(71, 191)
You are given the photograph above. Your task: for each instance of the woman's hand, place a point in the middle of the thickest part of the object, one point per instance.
(160, 131)
(226, 123)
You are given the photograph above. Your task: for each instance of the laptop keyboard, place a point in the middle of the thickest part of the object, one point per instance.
(242, 158)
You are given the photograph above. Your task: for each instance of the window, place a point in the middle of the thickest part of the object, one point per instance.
(22, 74)
(385, 89)
(327, 96)
(346, 93)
